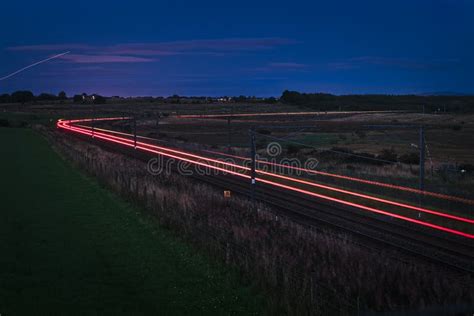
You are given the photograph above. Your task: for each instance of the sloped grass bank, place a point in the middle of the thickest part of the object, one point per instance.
(68, 245)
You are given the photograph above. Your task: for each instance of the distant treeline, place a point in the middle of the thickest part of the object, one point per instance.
(28, 97)
(177, 99)
(313, 101)
(368, 102)
(25, 96)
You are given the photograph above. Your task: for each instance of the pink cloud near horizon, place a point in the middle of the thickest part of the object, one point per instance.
(82, 53)
(97, 59)
(210, 46)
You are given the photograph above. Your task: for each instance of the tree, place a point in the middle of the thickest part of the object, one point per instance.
(5, 98)
(292, 97)
(240, 99)
(22, 96)
(174, 99)
(62, 95)
(46, 97)
(98, 99)
(271, 100)
(77, 98)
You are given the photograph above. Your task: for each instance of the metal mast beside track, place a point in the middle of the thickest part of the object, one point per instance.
(253, 163)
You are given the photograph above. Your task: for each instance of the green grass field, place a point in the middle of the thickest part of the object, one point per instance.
(69, 246)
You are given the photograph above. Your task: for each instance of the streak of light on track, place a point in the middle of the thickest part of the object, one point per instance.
(206, 162)
(278, 114)
(370, 182)
(316, 172)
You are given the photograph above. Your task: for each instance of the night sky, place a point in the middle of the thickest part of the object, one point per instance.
(218, 48)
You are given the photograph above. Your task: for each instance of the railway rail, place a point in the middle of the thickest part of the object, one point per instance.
(449, 247)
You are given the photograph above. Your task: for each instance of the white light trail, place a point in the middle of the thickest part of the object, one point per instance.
(32, 65)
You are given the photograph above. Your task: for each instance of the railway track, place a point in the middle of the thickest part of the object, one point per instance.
(378, 232)
(374, 231)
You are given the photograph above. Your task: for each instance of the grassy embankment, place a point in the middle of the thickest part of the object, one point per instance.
(66, 244)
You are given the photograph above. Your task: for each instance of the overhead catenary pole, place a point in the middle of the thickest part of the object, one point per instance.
(229, 131)
(93, 122)
(253, 162)
(422, 157)
(229, 135)
(134, 132)
(94, 115)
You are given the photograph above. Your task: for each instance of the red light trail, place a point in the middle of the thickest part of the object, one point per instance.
(333, 175)
(214, 164)
(370, 182)
(276, 114)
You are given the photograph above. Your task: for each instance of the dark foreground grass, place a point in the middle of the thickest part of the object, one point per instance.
(69, 246)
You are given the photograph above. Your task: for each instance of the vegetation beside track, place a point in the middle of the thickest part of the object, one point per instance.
(329, 262)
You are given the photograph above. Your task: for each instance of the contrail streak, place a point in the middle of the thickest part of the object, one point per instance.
(32, 65)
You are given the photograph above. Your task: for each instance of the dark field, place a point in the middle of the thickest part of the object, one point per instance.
(449, 160)
(69, 245)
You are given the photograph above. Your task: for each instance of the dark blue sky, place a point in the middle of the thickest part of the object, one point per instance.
(238, 47)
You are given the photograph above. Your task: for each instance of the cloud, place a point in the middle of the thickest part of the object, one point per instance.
(50, 47)
(211, 46)
(200, 46)
(97, 59)
(147, 52)
(288, 65)
(282, 67)
(405, 63)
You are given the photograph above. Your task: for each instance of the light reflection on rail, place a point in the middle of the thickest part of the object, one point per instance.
(242, 171)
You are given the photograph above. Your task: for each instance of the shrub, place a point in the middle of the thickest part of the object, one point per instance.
(181, 138)
(410, 158)
(360, 134)
(388, 154)
(466, 166)
(264, 131)
(292, 149)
